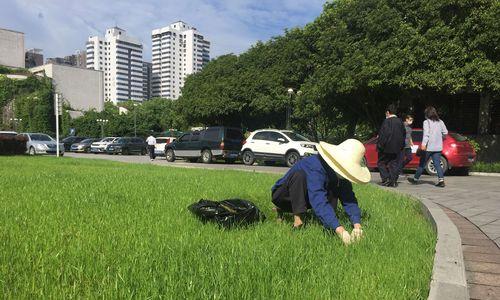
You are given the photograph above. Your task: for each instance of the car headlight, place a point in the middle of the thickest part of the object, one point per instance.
(307, 146)
(41, 147)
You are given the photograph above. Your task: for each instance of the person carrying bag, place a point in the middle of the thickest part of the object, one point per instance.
(432, 144)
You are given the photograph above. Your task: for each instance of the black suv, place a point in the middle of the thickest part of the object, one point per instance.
(209, 144)
(127, 145)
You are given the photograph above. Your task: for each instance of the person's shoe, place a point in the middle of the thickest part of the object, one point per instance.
(384, 181)
(393, 184)
(440, 184)
(412, 180)
(151, 159)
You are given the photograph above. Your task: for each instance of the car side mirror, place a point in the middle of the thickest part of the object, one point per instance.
(282, 140)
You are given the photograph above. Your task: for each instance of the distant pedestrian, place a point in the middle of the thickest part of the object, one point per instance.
(432, 144)
(407, 152)
(151, 146)
(390, 144)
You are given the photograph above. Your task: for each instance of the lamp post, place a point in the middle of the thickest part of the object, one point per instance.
(291, 92)
(102, 122)
(15, 120)
(135, 120)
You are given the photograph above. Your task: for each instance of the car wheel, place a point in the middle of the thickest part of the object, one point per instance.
(170, 155)
(248, 157)
(292, 158)
(431, 170)
(32, 151)
(206, 156)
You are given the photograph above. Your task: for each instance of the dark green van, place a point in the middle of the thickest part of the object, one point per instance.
(209, 144)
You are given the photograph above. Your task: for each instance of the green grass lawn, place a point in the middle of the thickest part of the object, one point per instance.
(98, 229)
(493, 167)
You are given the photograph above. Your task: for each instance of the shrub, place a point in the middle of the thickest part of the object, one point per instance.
(493, 167)
(12, 144)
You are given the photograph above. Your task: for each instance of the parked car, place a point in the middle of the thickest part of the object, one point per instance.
(457, 153)
(41, 143)
(83, 146)
(70, 140)
(272, 145)
(127, 145)
(161, 142)
(208, 144)
(12, 133)
(100, 146)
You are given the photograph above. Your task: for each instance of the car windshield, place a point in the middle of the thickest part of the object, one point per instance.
(107, 140)
(40, 137)
(295, 136)
(121, 140)
(161, 141)
(458, 137)
(86, 141)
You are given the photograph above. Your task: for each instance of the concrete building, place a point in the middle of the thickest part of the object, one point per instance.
(81, 88)
(146, 72)
(119, 56)
(33, 58)
(11, 48)
(178, 50)
(79, 59)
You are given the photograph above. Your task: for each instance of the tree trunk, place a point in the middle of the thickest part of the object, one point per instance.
(484, 114)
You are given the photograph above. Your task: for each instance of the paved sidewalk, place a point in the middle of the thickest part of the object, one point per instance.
(476, 198)
(481, 257)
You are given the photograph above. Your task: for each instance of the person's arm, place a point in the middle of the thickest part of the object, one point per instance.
(444, 130)
(349, 202)
(425, 138)
(318, 198)
(382, 135)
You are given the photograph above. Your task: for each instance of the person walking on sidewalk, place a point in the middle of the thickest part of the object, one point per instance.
(318, 181)
(432, 144)
(407, 152)
(151, 147)
(390, 144)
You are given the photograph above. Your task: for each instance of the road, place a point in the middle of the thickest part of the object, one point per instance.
(476, 198)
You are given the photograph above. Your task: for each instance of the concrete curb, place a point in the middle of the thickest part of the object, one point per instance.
(484, 174)
(448, 281)
(448, 273)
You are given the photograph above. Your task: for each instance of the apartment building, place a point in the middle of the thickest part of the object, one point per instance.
(119, 56)
(146, 72)
(178, 50)
(11, 48)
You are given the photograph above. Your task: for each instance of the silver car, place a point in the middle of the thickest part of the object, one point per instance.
(41, 143)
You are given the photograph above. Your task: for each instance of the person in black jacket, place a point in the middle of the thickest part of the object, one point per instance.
(390, 144)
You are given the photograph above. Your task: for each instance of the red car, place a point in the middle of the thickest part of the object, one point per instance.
(457, 153)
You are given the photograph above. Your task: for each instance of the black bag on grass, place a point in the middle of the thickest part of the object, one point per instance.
(227, 212)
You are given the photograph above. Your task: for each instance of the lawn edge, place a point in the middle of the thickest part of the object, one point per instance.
(448, 279)
(490, 174)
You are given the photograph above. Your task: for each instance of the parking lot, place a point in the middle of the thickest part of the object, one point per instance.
(181, 163)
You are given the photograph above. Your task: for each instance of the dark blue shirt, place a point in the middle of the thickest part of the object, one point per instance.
(322, 181)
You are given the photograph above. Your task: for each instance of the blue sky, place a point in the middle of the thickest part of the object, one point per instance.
(60, 27)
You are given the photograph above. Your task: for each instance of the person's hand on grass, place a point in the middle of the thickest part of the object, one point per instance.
(357, 233)
(343, 235)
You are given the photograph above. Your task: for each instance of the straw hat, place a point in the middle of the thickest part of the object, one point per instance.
(346, 160)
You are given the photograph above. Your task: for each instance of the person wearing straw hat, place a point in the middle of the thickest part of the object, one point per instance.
(319, 180)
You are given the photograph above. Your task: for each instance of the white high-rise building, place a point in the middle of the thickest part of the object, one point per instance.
(178, 50)
(119, 56)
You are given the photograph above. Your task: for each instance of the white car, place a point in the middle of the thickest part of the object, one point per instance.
(161, 142)
(100, 146)
(271, 145)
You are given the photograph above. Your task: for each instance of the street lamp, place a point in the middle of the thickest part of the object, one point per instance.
(15, 120)
(289, 107)
(102, 122)
(135, 120)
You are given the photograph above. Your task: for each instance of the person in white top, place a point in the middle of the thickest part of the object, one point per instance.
(151, 146)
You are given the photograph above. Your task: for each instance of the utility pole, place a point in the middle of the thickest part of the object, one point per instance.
(58, 112)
